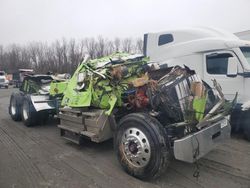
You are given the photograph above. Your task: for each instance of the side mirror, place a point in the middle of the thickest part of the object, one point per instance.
(232, 67)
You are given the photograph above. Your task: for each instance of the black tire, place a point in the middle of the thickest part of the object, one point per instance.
(246, 125)
(43, 117)
(29, 114)
(152, 140)
(236, 119)
(15, 106)
(6, 87)
(247, 132)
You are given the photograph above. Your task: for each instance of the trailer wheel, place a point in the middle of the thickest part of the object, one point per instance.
(15, 107)
(29, 114)
(141, 146)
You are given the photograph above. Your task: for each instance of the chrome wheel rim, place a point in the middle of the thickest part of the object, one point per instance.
(136, 147)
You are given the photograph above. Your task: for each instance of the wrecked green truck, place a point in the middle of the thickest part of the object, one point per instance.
(153, 112)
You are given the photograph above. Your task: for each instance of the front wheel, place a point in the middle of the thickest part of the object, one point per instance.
(141, 146)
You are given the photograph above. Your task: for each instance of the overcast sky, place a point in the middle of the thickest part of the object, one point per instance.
(22, 21)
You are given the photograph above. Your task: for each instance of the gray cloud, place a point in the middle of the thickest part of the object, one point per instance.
(22, 21)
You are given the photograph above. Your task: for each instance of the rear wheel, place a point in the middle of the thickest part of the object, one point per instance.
(15, 108)
(29, 114)
(141, 146)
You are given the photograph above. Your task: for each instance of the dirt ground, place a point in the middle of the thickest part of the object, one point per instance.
(38, 157)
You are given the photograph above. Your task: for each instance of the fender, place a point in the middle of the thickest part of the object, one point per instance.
(42, 102)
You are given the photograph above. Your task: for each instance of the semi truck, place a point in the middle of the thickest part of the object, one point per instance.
(152, 111)
(213, 54)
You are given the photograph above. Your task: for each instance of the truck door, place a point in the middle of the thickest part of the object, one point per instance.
(216, 65)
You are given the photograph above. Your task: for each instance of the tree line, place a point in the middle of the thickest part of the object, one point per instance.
(62, 55)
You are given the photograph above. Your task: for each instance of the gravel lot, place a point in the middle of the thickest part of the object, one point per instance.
(38, 157)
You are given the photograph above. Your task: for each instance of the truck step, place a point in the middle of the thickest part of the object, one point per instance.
(70, 136)
(94, 113)
(70, 128)
(88, 134)
(75, 119)
(74, 139)
(92, 124)
(75, 111)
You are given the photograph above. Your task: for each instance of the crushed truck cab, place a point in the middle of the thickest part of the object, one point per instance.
(152, 111)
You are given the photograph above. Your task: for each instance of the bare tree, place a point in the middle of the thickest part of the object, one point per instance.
(117, 44)
(33, 53)
(110, 48)
(61, 55)
(127, 45)
(139, 45)
(91, 47)
(75, 54)
(13, 58)
(1, 57)
(100, 46)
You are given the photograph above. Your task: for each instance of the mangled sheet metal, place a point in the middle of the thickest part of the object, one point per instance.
(133, 84)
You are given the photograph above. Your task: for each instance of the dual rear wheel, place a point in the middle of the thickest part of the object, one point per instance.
(28, 113)
(15, 107)
(21, 108)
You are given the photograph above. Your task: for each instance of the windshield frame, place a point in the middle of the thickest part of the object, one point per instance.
(246, 53)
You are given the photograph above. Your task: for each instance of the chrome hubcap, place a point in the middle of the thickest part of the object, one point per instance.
(136, 147)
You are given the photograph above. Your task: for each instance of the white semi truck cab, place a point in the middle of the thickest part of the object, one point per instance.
(213, 54)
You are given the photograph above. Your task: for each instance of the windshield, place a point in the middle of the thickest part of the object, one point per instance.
(2, 73)
(246, 52)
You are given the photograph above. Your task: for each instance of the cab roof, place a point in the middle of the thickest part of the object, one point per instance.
(189, 41)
